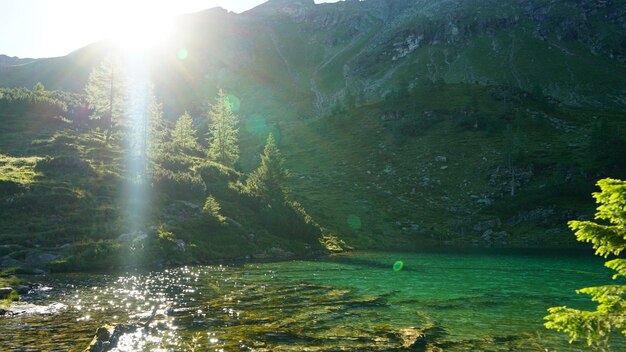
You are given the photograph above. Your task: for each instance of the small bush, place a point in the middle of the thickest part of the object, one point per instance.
(212, 209)
(64, 165)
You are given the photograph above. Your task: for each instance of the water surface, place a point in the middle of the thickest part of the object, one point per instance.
(460, 301)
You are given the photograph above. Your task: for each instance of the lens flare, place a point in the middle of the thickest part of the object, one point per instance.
(182, 54)
(234, 102)
(256, 125)
(398, 265)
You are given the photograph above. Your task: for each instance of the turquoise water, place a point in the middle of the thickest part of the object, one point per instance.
(459, 301)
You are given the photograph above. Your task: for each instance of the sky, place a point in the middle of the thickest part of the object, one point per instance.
(48, 28)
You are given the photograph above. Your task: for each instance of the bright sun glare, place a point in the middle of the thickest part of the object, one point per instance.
(139, 25)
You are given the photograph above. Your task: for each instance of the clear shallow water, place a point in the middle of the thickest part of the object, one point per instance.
(459, 301)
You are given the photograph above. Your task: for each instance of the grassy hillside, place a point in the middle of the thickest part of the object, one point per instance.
(404, 124)
(434, 168)
(65, 190)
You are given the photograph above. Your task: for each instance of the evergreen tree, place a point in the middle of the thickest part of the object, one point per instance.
(156, 131)
(183, 135)
(105, 93)
(268, 180)
(223, 132)
(608, 238)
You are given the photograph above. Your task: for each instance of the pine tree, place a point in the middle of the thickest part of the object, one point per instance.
(106, 93)
(608, 238)
(223, 132)
(268, 180)
(156, 131)
(183, 135)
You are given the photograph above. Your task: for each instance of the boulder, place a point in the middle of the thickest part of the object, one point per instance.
(5, 292)
(9, 248)
(181, 245)
(23, 290)
(39, 258)
(278, 252)
(132, 236)
(7, 262)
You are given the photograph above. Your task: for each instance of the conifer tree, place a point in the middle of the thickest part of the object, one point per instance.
(183, 135)
(156, 131)
(607, 238)
(268, 180)
(223, 132)
(105, 93)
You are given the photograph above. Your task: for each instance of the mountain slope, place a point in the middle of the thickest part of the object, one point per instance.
(408, 122)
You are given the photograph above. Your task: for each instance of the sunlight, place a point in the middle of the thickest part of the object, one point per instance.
(138, 28)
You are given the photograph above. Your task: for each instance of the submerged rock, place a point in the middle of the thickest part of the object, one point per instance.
(51, 309)
(107, 336)
(410, 336)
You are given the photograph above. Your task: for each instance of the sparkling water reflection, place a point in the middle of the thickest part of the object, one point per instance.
(460, 301)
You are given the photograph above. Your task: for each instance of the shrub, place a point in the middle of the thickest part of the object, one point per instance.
(64, 165)
(212, 209)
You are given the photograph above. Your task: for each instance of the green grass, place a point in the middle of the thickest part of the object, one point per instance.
(350, 164)
(339, 167)
(18, 170)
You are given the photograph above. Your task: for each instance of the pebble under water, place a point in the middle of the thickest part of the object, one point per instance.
(362, 301)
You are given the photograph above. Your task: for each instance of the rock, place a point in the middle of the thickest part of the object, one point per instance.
(103, 333)
(33, 309)
(8, 248)
(278, 252)
(189, 205)
(181, 245)
(66, 246)
(102, 341)
(410, 336)
(55, 218)
(38, 258)
(483, 226)
(5, 292)
(487, 235)
(7, 262)
(233, 222)
(132, 236)
(262, 255)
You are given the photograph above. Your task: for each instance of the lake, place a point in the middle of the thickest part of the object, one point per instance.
(485, 300)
